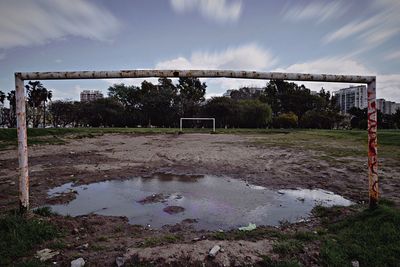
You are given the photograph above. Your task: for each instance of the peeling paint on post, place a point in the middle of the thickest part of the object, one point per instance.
(372, 146)
(22, 144)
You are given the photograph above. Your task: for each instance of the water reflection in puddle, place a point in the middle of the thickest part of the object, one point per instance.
(216, 202)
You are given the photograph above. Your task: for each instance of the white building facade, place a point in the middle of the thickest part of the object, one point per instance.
(387, 107)
(88, 95)
(353, 96)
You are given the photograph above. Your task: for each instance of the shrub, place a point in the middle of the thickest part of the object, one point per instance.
(285, 120)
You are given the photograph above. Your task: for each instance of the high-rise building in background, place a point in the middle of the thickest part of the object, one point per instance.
(387, 107)
(353, 96)
(90, 95)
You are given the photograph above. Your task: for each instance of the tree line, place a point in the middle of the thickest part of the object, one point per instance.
(279, 104)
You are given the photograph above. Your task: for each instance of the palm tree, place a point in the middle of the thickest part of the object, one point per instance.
(2, 97)
(37, 98)
(45, 95)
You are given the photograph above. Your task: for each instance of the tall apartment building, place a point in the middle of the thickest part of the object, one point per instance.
(387, 107)
(89, 95)
(396, 107)
(353, 96)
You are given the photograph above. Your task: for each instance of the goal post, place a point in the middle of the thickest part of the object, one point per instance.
(20, 77)
(196, 119)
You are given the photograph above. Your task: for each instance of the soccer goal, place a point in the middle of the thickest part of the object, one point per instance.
(196, 119)
(20, 77)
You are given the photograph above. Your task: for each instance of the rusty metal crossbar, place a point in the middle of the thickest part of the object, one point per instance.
(21, 103)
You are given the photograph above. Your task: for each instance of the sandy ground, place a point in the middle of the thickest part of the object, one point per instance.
(118, 156)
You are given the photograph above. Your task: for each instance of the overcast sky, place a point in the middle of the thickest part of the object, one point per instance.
(336, 37)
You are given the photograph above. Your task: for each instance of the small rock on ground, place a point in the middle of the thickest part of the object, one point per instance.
(80, 262)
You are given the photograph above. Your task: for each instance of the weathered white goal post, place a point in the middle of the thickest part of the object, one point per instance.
(23, 179)
(21, 114)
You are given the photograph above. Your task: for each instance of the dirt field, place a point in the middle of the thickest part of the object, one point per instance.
(271, 160)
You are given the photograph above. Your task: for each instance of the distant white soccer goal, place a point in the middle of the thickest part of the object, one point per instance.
(197, 119)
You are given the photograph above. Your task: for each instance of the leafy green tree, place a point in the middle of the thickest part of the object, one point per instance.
(246, 93)
(128, 96)
(358, 118)
(225, 110)
(158, 102)
(317, 119)
(191, 95)
(285, 97)
(254, 114)
(62, 113)
(106, 112)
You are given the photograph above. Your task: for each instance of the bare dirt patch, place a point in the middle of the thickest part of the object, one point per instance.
(119, 156)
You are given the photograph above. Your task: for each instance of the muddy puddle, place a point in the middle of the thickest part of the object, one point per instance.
(212, 202)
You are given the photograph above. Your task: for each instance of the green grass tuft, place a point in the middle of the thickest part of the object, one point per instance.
(268, 262)
(44, 211)
(19, 235)
(289, 247)
(256, 234)
(372, 237)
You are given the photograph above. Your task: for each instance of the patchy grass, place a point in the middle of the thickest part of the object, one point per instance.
(334, 144)
(160, 240)
(18, 236)
(97, 247)
(256, 234)
(268, 262)
(305, 236)
(44, 211)
(32, 263)
(371, 237)
(57, 244)
(288, 247)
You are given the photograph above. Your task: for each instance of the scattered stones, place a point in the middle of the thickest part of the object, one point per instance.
(83, 247)
(46, 254)
(173, 209)
(214, 251)
(120, 261)
(80, 262)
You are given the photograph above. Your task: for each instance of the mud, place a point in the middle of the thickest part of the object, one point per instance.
(173, 209)
(216, 202)
(118, 157)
